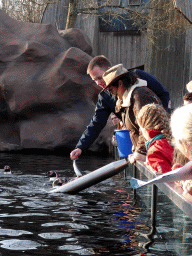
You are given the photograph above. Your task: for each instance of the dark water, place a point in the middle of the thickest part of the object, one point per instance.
(105, 219)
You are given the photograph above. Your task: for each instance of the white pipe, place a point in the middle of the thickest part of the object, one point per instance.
(92, 178)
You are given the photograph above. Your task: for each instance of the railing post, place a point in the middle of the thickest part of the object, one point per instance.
(154, 197)
(153, 217)
(126, 169)
(134, 171)
(134, 176)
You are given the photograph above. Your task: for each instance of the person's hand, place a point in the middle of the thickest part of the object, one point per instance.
(136, 156)
(113, 140)
(74, 155)
(131, 159)
(187, 186)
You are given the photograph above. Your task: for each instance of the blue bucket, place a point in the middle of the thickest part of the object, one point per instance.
(124, 143)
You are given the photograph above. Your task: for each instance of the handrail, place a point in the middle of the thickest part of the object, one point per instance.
(174, 192)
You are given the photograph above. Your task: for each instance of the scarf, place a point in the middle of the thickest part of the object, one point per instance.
(157, 137)
(126, 101)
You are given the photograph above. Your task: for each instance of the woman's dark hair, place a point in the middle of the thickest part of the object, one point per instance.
(128, 79)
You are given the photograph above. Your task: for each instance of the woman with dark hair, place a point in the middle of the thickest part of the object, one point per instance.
(132, 94)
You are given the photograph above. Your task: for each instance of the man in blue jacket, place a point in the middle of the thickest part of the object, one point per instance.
(107, 102)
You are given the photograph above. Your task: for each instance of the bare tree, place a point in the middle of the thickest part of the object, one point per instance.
(166, 18)
(72, 13)
(160, 16)
(26, 10)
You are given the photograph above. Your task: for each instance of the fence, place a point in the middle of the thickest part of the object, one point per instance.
(170, 189)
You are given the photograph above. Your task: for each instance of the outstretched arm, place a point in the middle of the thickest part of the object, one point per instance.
(105, 105)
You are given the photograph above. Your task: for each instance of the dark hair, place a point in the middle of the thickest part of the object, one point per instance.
(100, 61)
(188, 96)
(128, 79)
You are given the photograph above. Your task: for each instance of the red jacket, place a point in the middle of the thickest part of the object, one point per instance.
(160, 154)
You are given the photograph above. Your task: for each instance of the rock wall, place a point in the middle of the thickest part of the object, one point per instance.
(46, 97)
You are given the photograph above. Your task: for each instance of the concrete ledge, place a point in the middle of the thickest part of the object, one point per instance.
(173, 191)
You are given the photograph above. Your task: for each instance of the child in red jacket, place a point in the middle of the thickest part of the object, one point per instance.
(154, 123)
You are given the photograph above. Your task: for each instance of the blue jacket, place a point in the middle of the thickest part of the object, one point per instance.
(154, 85)
(106, 105)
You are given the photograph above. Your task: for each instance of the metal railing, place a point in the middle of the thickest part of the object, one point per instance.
(170, 189)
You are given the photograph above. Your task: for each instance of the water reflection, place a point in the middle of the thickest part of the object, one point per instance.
(169, 238)
(100, 220)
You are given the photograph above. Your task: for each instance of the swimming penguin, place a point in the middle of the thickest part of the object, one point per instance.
(59, 182)
(7, 170)
(52, 175)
